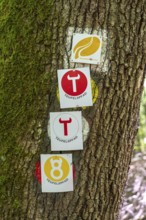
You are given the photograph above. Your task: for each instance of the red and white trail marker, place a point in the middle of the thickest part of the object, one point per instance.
(65, 124)
(74, 87)
(66, 131)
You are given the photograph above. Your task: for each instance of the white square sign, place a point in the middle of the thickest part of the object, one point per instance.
(66, 131)
(86, 48)
(74, 87)
(56, 172)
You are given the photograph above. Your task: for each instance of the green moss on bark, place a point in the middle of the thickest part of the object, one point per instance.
(24, 82)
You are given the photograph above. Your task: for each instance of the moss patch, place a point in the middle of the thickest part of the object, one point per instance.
(24, 54)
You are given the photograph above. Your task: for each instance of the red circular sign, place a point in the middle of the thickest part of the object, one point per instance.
(74, 82)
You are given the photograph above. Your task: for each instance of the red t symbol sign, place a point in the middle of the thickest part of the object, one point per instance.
(65, 122)
(73, 79)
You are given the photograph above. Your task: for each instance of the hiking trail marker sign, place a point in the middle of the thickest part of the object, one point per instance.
(56, 172)
(66, 131)
(75, 87)
(86, 48)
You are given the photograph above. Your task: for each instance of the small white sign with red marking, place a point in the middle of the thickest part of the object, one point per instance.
(75, 87)
(66, 131)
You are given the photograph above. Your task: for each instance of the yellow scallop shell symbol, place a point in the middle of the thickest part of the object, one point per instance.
(86, 47)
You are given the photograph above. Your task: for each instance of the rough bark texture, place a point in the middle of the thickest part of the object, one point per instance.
(32, 47)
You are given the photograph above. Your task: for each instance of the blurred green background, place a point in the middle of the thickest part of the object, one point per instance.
(140, 143)
(133, 206)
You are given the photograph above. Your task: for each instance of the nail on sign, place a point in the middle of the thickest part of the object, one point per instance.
(75, 87)
(56, 172)
(66, 131)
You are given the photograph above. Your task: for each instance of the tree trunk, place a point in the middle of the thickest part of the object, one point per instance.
(35, 39)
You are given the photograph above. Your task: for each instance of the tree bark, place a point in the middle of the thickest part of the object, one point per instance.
(34, 42)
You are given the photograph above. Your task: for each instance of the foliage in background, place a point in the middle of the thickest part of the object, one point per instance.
(140, 143)
(134, 200)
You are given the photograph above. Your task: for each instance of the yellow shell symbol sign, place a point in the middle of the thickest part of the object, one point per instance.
(56, 168)
(86, 47)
